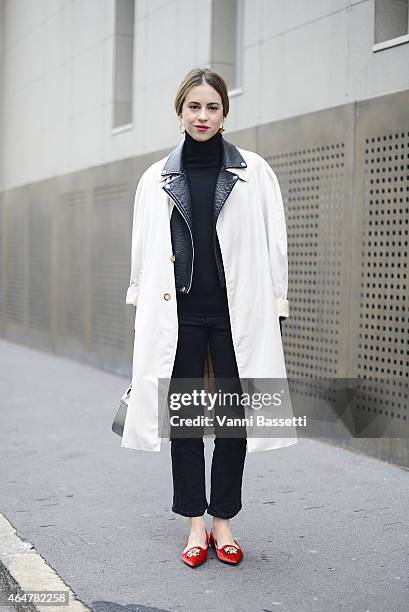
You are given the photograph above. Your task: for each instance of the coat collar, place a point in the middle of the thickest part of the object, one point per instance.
(231, 158)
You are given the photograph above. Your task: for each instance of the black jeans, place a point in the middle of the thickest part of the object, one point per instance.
(188, 461)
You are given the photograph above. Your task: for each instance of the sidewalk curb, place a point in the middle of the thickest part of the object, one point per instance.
(23, 569)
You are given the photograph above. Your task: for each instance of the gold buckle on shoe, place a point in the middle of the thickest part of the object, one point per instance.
(230, 550)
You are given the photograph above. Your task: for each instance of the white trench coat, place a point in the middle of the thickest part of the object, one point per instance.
(252, 235)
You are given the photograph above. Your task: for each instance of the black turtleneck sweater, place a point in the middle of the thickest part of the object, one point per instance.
(202, 162)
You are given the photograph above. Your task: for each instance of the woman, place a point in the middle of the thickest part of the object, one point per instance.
(209, 279)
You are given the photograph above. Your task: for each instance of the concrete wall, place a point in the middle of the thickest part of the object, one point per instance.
(298, 57)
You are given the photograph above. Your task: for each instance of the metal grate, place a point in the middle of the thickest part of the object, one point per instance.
(110, 223)
(39, 266)
(312, 184)
(72, 279)
(14, 258)
(383, 345)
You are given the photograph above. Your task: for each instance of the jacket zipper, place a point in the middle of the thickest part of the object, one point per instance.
(222, 284)
(191, 238)
(216, 259)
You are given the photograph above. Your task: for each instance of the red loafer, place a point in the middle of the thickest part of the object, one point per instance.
(228, 553)
(196, 555)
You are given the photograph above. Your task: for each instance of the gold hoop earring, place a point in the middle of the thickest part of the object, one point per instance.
(221, 129)
(181, 131)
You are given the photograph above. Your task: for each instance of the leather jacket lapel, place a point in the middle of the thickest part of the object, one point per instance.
(178, 190)
(224, 185)
(176, 186)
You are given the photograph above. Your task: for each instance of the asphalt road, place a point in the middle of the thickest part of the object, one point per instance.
(4, 605)
(322, 528)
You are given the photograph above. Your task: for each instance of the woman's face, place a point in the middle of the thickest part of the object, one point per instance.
(202, 107)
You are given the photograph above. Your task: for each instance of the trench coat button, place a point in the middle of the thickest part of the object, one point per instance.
(167, 296)
(173, 258)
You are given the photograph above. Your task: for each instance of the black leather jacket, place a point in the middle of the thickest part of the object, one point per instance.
(181, 224)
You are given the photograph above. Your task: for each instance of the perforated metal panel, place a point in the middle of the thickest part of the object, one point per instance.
(110, 223)
(72, 253)
(380, 319)
(39, 265)
(344, 180)
(14, 236)
(312, 159)
(384, 278)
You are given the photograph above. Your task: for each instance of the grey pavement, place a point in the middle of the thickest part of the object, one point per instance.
(322, 528)
(4, 602)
